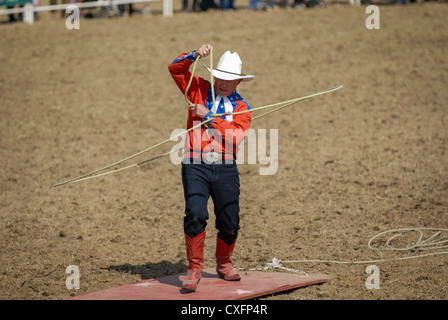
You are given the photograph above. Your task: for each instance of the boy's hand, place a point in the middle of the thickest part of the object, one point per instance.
(203, 51)
(198, 110)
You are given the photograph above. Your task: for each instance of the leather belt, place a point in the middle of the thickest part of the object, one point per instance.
(209, 156)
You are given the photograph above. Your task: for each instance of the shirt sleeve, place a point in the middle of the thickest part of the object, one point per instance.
(234, 132)
(180, 72)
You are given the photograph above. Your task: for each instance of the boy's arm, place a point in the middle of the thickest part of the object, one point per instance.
(236, 130)
(180, 70)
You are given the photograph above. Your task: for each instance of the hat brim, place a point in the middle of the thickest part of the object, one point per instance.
(230, 76)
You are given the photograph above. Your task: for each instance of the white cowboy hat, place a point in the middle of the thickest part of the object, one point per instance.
(229, 68)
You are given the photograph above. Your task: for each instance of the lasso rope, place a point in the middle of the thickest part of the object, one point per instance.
(90, 175)
(284, 104)
(434, 242)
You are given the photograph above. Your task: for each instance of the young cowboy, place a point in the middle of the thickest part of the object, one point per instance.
(209, 167)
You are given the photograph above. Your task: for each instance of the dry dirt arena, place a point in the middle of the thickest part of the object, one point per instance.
(368, 158)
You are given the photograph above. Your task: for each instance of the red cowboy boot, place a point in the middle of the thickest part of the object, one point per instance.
(195, 256)
(224, 265)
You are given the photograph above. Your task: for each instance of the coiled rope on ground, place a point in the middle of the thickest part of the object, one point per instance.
(437, 243)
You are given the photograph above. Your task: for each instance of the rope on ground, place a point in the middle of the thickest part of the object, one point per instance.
(276, 264)
(433, 242)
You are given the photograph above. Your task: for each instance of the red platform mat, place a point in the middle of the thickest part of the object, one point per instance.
(253, 284)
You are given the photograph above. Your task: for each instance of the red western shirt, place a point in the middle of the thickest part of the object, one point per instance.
(228, 131)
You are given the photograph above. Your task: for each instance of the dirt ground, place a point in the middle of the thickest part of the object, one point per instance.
(368, 158)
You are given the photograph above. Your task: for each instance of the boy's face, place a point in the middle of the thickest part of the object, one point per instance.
(226, 87)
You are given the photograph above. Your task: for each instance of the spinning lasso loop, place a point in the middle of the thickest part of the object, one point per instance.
(284, 104)
(437, 243)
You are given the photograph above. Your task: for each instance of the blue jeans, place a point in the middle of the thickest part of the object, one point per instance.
(226, 4)
(270, 3)
(255, 4)
(219, 181)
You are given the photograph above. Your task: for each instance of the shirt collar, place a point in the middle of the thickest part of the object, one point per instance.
(232, 98)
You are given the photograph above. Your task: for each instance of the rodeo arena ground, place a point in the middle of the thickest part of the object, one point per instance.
(343, 174)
